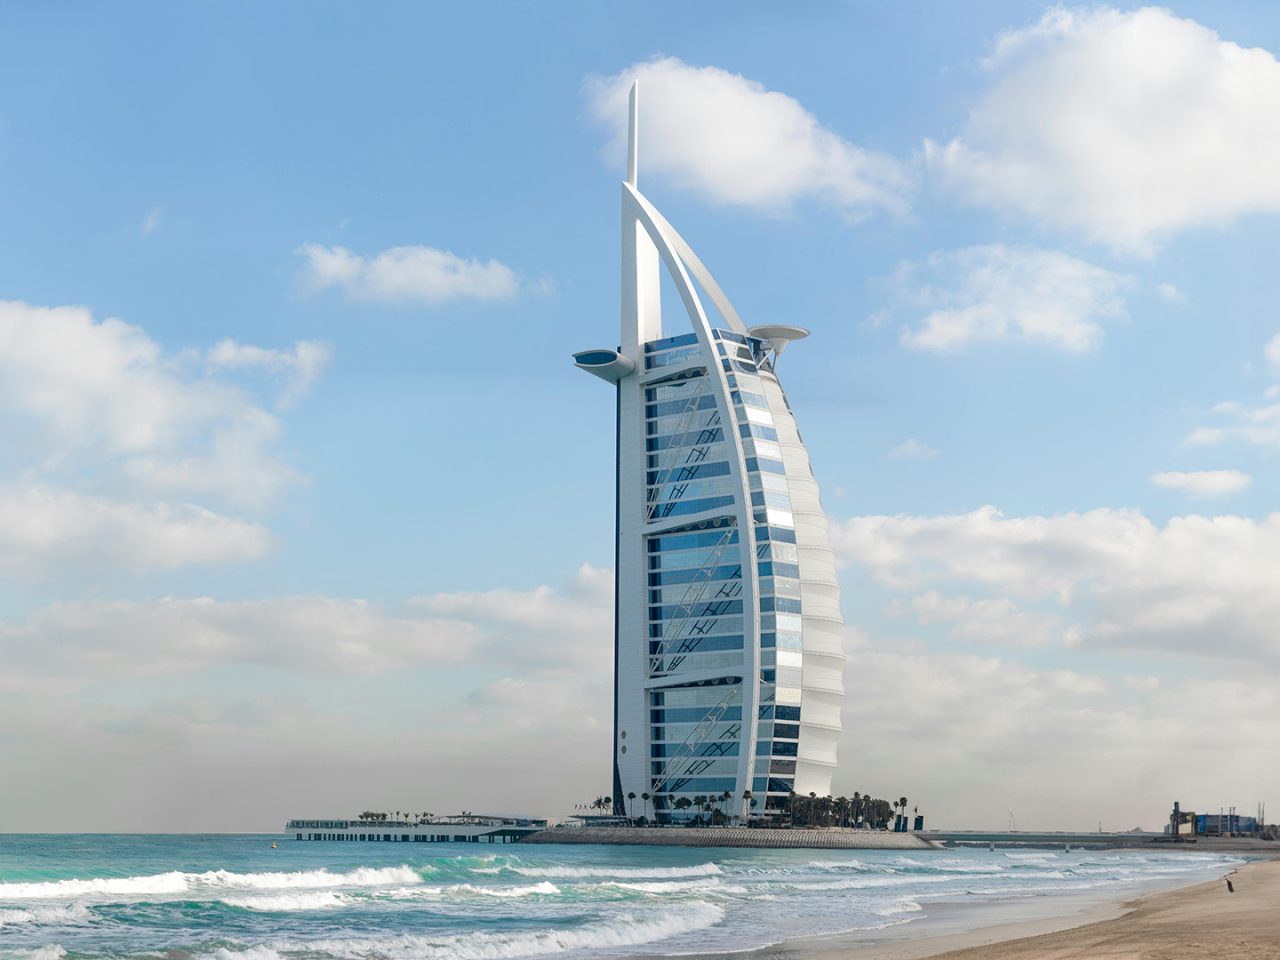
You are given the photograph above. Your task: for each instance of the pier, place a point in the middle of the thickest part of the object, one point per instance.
(470, 829)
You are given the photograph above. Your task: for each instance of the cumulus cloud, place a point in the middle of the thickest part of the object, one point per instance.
(733, 142)
(1126, 126)
(1170, 293)
(1204, 483)
(995, 293)
(177, 635)
(46, 531)
(913, 449)
(970, 738)
(1257, 424)
(411, 274)
(537, 628)
(198, 696)
(300, 366)
(986, 620)
(1197, 585)
(89, 396)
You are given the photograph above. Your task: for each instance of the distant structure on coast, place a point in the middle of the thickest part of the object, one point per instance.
(728, 655)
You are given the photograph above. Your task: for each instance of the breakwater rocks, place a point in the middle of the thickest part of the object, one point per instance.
(733, 837)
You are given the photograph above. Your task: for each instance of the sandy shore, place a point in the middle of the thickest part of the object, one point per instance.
(1203, 922)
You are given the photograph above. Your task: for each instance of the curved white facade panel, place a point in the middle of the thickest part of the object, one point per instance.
(728, 656)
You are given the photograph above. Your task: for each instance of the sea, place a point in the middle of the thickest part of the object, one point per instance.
(237, 898)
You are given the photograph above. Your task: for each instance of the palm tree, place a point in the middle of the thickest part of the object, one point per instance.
(792, 798)
(630, 798)
(645, 797)
(700, 802)
(725, 797)
(746, 803)
(683, 803)
(812, 797)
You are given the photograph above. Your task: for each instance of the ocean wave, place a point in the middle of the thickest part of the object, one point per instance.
(700, 870)
(1044, 855)
(50, 951)
(287, 902)
(44, 915)
(836, 865)
(546, 888)
(622, 931)
(864, 883)
(308, 879)
(172, 882)
(702, 885)
(177, 882)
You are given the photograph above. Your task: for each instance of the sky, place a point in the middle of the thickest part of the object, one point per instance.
(305, 511)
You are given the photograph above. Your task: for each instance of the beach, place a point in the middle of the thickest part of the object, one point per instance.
(266, 897)
(1200, 922)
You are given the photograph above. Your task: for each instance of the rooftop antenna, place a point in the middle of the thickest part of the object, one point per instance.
(633, 134)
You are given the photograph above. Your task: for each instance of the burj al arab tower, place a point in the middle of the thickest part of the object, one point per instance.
(727, 634)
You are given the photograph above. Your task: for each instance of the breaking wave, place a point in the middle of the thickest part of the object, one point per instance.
(622, 931)
(176, 882)
(545, 888)
(286, 902)
(74, 913)
(568, 873)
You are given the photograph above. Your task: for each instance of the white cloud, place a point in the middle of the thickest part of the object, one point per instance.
(1125, 126)
(101, 398)
(302, 365)
(199, 696)
(913, 449)
(733, 142)
(971, 738)
(45, 531)
(1197, 585)
(995, 293)
(1170, 293)
(175, 636)
(1255, 424)
(151, 222)
(1204, 483)
(534, 629)
(993, 620)
(412, 274)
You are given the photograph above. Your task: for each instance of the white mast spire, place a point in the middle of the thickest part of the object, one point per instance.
(633, 135)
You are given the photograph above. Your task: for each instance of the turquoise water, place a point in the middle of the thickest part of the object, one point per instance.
(235, 898)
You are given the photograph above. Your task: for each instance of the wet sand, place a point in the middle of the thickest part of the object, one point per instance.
(1202, 922)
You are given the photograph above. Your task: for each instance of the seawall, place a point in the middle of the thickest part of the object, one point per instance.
(733, 837)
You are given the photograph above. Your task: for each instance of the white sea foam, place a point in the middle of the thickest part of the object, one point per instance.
(176, 882)
(308, 879)
(624, 930)
(1045, 855)
(72, 913)
(836, 864)
(700, 870)
(286, 902)
(702, 885)
(545, 888)
(172, 882)
(865, 883)
(51, 951)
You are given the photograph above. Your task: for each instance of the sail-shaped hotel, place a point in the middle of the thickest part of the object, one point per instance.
(727, 644)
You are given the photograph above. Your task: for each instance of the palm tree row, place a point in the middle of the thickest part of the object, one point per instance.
(857, 811)
(860, 810)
